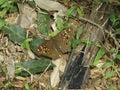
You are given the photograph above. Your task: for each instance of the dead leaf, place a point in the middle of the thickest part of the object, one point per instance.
(31, 54)
(27, 16)
(10, 68)
(60, 67)
(50, 5)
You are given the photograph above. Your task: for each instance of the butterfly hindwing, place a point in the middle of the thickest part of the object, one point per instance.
(57, 45)
(48, 49)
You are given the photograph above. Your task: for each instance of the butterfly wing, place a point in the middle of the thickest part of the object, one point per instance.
(63, 40)
(57, 45)
(48, 49)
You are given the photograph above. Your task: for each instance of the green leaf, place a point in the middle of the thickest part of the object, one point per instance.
(36, 41)
(75, 43)
(112, 17)
(31, 3)
(115, 23)
(5, 5)
(118, 30)
(79, 32)
(96, 43)
(108, 64)
(2, 1)
(18, 71)
(105, 1)
(43, 23)
(52, 34)
(114, 20)
(8, 85)
(99, 55)
(96, 1)
(59, 24)
(111, 87)
(61, 27)
(80, 12)
(112, 50)
(4, 69)
(109, 74)
(14, 9)
(27, 86)
(68, 24)
(71, 11)
(16, 33)
(87, 42)
(3, 12)
(118, 56)
(2, 23)
(35, 66)
(26, 44)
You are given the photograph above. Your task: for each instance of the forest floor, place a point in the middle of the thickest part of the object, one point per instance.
(22, 69)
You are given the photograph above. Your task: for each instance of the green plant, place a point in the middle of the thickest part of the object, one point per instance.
(118, 56)
(115, 20)
(2, 23)
(111, 87)
(109, 74)
(7, 6)
(27, 87)
(97, 1)
(99, 55)
(26, 44)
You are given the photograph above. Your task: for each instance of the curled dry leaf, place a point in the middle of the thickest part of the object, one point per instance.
(10, 68)
(60, 67)
(55, 79)
(50, 5)
(27, 16)
(31, 54)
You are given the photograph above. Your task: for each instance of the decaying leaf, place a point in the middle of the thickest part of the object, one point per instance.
(50, 5)
(10, 68)
(27, 16)
(60, 67)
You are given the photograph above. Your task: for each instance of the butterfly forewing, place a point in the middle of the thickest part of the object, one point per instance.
(57, 45)
(48, 49)
(63, 40)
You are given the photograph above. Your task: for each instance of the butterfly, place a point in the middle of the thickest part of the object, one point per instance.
(58, 45)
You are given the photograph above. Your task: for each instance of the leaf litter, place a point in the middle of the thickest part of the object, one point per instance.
(100, 78)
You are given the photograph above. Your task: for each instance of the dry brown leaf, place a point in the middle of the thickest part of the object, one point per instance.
(31, 54)
(10, 68)
(27, 16)
(50, 5)
(60, 67)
